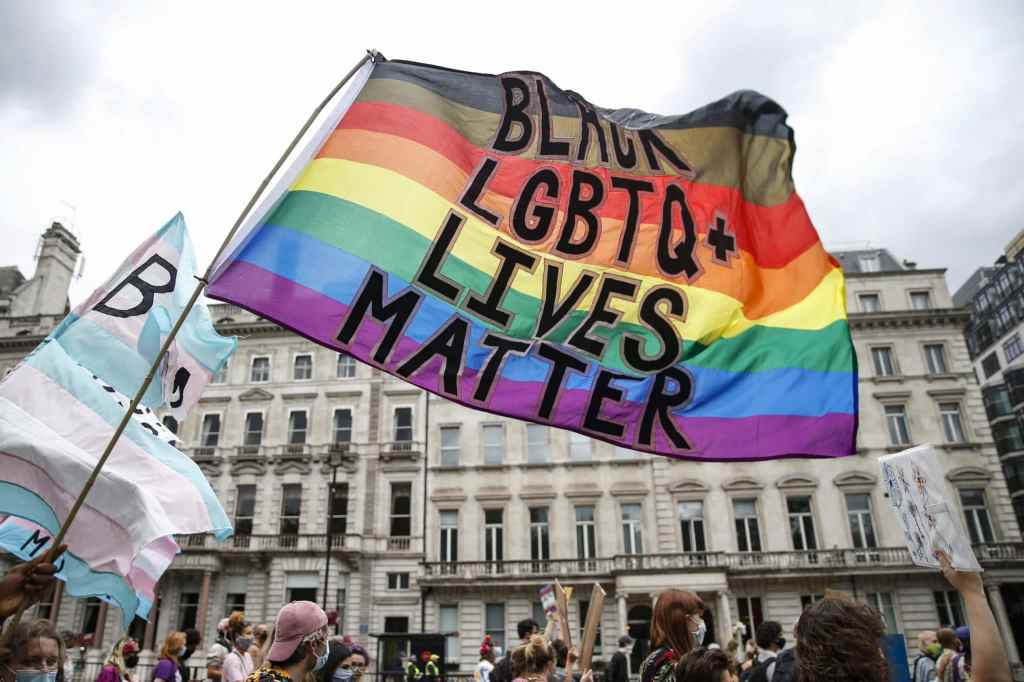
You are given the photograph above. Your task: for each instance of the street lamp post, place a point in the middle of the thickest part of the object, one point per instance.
(335, 459)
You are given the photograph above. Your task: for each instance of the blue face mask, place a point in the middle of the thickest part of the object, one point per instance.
(343, 674)
(35, 676)
(702, 631)
(321, 660)
(181, 652)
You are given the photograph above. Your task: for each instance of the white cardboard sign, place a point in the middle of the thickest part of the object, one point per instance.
(919, 496)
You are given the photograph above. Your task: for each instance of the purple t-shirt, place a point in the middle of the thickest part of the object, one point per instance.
(108, 674)
(167, 670)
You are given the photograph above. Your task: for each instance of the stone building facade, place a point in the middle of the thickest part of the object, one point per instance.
(442, 518)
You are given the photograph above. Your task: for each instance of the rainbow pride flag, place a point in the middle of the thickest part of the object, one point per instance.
(652, 281)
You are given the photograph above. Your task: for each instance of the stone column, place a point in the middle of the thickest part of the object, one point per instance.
(995, 598)
(204, 605)
(101, 626)
(623, 616)
(724, 619)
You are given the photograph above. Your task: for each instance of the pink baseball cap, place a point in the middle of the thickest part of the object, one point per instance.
(294, 622)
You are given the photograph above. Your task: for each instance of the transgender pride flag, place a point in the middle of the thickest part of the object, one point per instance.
(61, 405)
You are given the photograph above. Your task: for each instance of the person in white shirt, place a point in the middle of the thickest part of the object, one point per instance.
(486, 665)
(238, 663)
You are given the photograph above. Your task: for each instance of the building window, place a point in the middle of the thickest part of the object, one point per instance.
(342, 426)
(952, 424)
(346, 368)
(302, 586)
(896, 422)
(494, 443)
(91, 615)
(339, 509)
(449, 536)
(260, 372)
(579, 447)
(494, 532)
(537, 612)
(632, 541)
(188, 609)
(210, 435)
(920, 300)
(801, 522)
(935, 354)
(221, 375)
(171, 423)
(870, 263)
(540, 536)
(297, 427)
(291, 508)
(949, 608)
(979, 526)
(401, 510)
(883, 603)
(245, 509)
(884, 364)
(403, 424)
(449, 446)
(494, 623)
(536, 443)
(235, 588)
(862, 528)
(448, 617)
(396, 624)
(1013, 348)
(253, 436)
(990, 365)
(808, 600)
(303, 368)
(398, 581)
(691, 521)
(586, 540)
(748, 536)
(750, 614)
(869, 303)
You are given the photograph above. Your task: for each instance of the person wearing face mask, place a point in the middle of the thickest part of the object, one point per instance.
(36, 654)
(166, 669)
(677, 627)
(123, 657)
(769, 643)
(299, 645)
(339, 663)
(360, 659)
(238, 663)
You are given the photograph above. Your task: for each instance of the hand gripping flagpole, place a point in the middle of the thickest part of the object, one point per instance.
(371, 56)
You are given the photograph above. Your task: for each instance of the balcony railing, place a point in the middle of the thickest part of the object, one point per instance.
(270, 543)
(730, 562)
(401, 448)
(399, 544)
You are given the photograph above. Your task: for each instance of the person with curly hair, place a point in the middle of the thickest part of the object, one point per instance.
(838, 641)
(706, 665)
(677, 628)
(535, 661)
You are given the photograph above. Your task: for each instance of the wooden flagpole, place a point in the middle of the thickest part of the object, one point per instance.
(371, 55)
(562, 602)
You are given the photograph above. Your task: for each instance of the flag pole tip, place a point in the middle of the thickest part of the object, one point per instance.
(375, 56)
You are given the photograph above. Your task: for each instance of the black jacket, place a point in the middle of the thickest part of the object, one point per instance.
(618, 668)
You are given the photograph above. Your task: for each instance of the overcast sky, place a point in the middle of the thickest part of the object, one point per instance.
(908, 119)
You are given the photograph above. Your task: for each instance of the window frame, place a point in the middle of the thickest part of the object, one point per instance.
(943, 358)
(332, 507)
(448, 551)
(580, 440)
(335, 429)
(442, 450)
(811, 514)
(632, 529)
(295, 365)
(398, 580)
(864, 295)
(875, 365)
(912, 293)
(544, 444)
(305, 431)
(252, 369)
(970, 516)
(897, 443)
(942, 406)
(1015, 342)
(498, 636)
(202, 431)
(874, 600)
(220, 377)
(350, 364)
(861, 527)
(692, 534)
(282, 516)
(395, 426)
(745, 520)
(393, 487)
(251, 518)
(494, 537)
(489, 427)
(540, 534)
(245, 428)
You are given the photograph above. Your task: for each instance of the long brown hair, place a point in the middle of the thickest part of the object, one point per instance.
(837, 641)
(670, 624)
(36, 629)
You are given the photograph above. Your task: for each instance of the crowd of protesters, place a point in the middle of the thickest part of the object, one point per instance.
(837, 640)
